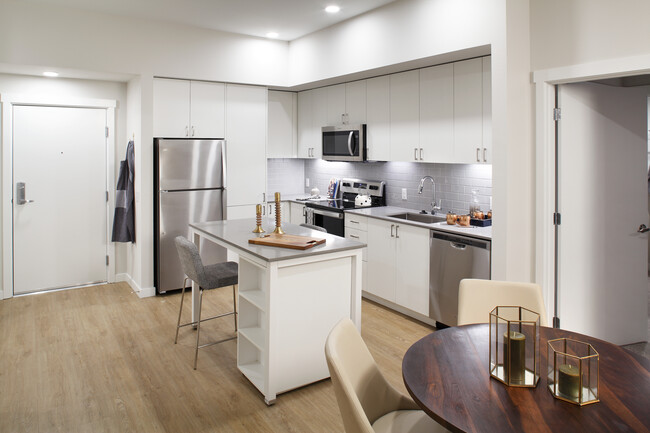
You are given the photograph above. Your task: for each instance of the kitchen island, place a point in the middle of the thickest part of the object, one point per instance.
(289, 300)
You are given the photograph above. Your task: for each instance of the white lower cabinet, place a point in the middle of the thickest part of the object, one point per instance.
(398, 264)
(297, 213)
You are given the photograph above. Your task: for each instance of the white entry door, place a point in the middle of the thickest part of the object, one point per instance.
(603, 285)
(60, 229)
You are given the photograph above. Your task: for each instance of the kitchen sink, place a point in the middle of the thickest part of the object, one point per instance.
(419, 217)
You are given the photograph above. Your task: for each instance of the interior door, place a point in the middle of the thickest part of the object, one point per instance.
(602, 278)
(60, 228)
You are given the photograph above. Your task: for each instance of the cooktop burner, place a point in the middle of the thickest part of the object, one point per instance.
(350, 189)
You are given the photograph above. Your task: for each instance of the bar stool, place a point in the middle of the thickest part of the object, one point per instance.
(207, 278)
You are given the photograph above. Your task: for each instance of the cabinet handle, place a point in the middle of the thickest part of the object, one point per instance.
(392, 227)
(263, 197)
(354, 222)
(192, 131)
(420, 154)
(354, 236)
(187, 132)
(397, 231)
(304, 211)
(478, 158)
(415, 153)
(484, 154)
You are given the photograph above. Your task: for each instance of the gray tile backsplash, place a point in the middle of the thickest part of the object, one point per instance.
(454, 182)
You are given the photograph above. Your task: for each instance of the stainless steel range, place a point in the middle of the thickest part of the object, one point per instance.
(355, 194)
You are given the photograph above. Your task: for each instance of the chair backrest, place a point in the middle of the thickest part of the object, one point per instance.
(359, 386)
(313, 227)
(476, 298)
(190, 260)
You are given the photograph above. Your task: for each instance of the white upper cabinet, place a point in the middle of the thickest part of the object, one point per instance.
(437, 114)
(468, 111)
(246, 111)
(355, 101)
(171, 108)
(405, 116)
(192, 109)
(282, 125)
(487, 110)
(305, 129)
(207, 110)
(336, 113)
(378, 118)
(312, 116)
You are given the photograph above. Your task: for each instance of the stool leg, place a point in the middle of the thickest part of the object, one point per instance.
(234, 305)
(198, 328)
(178, 324)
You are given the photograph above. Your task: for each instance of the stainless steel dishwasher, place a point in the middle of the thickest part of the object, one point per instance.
(452, 258)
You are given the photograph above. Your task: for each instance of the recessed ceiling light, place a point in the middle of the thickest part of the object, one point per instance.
(332, 9)
(272, 35)
(50, 74)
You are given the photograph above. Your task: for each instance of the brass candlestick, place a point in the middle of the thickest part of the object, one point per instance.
(278, 215)
(258, 219)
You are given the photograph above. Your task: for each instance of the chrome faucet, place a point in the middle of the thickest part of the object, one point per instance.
(434, 204)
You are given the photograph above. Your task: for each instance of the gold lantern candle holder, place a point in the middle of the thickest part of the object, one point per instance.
(573, 371)
(514, 346)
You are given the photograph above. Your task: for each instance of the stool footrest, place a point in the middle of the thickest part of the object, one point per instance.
(205, 320)
(217, 342)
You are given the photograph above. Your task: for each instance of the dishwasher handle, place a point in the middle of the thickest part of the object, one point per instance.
(460, 242)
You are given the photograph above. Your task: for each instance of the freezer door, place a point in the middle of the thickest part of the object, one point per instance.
(190, 164)
(177, 210)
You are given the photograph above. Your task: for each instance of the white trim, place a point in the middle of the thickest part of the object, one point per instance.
(545, 150)
(142, 293)
(7, 102)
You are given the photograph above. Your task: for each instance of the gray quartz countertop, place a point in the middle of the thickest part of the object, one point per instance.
(383, 213)
(236, 233)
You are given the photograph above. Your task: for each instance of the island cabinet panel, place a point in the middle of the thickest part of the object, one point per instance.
(246, 112)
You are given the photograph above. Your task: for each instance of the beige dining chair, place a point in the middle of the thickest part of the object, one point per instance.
(368, 403)
(476, 298)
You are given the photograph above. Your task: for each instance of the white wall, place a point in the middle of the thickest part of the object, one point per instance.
(45, 35)
(571, 32)
(66, 88)
(398, 32)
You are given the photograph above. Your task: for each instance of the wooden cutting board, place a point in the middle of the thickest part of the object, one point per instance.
(287, 241)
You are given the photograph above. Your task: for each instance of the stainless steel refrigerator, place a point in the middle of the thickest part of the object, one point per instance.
(190, 186)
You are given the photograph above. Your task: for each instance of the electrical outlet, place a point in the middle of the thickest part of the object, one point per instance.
(307, 182)
(404, 196)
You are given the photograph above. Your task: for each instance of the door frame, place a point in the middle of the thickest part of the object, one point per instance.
(7, 102)
(544, 82)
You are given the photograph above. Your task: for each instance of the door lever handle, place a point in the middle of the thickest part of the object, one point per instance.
(642, 229)
(20, 194)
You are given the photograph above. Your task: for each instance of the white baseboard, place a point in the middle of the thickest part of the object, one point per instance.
(141, 292)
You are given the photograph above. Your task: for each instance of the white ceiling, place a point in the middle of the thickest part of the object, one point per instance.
(291, 19)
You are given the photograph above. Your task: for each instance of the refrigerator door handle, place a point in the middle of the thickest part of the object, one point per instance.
(224, 178)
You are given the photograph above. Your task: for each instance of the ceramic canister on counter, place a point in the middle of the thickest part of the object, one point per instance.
(463, 220)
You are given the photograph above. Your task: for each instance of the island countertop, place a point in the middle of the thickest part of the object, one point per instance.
(236, 233)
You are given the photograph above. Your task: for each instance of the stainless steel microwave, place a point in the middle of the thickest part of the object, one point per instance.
(344, 142)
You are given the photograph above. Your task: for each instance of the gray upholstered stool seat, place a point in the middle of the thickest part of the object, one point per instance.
(207, 278)
(220, 275)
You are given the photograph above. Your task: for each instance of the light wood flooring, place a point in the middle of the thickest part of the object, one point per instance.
(99, 359)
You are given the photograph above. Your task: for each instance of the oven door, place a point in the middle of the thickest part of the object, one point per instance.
(333, 222)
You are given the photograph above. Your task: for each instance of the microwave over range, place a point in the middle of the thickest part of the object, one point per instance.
(344, 142)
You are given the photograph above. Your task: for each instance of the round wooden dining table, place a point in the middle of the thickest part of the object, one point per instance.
(447, 374)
